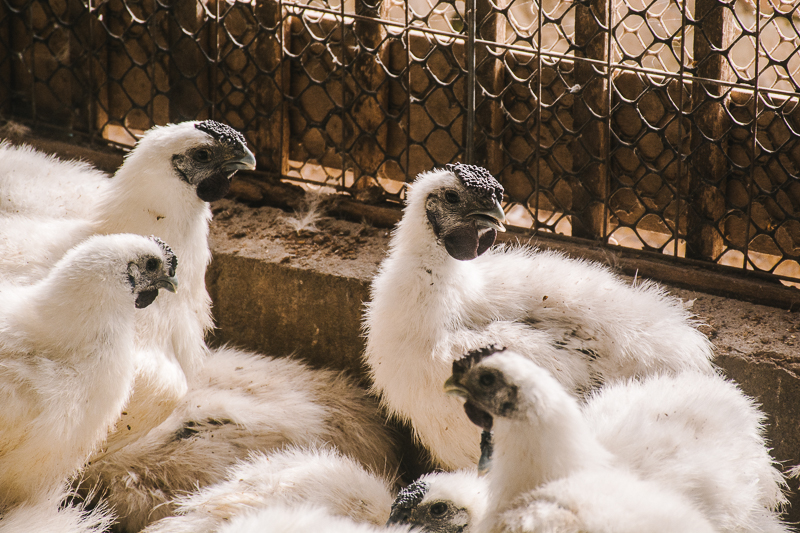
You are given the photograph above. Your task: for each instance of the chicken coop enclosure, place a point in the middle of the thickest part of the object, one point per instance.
(670, 126)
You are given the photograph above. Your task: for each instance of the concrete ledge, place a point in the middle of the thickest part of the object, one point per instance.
(278, 292)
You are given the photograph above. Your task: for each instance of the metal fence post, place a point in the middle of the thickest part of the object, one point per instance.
(489, 80)
(589, 180)
(710, 122)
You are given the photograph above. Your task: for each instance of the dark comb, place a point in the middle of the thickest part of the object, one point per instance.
(479, 178)
(461, 366)
(169, 255)
(222, 132)
(411, 495)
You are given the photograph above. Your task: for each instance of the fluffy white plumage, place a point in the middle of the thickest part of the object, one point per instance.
(54, 513)
(239, 403)
(428, 308)
(598, 501)
(36, 184)
(301, 519)
(316, 476)
(154, 192)
(694, 436)
(67, 361)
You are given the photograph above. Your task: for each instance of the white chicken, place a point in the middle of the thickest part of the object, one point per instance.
(442, 290)
(315, 476)
(691, 435)
(302, 519)
(67, 358)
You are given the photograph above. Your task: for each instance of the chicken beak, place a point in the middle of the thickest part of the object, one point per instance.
(245, 162)
(168, 282)
(454, 389)
(490, 218)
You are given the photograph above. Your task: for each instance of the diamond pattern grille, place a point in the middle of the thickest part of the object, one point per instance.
(670, 126)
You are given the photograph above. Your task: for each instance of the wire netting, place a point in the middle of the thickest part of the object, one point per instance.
(664, 125)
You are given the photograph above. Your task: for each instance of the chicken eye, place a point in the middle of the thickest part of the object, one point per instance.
(151, 265)
(202, 156)
(452, 197)
(438, 509)
(486, 380)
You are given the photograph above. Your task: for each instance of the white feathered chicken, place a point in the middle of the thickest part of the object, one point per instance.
(239, 403)
(302, 519)
(316, 476)
(692, 435)
(442, 288)
(161, 189)
(67, 359)
(589, 501)
(442, 502)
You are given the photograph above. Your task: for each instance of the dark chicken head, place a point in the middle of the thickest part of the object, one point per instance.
(486, 390)
(210, 164)
(149, 273)
(466, 213)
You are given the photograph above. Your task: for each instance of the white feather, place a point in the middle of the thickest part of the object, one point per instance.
(52, 512)
(316, 476)
(426, 307)
(301, 519)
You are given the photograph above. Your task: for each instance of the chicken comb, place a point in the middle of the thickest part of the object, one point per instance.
(410, 496)
(222, 132)
(472, 358)
(169, 255)
(477, 177)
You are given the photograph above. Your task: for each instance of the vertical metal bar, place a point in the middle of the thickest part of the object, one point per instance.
(407, 36)
(609, 101)
(215, 67)
(681, 81)
(282, 87)
(754, 145)
(342, 75)
(538, 118)
(471, 7)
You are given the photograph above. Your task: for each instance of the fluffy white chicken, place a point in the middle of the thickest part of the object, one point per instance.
(163, 189)
(315, 476)
(67, 358)
(593, 501)
(302, 519)
(692, 435)
(240, 403)
(442, 502)
(442, 290)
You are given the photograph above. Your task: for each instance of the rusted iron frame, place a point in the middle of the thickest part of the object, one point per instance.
(537, 176)
(471, 7)
(676, 230)
(609, 109)
(754, 145)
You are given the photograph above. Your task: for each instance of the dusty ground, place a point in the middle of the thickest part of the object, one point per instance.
(314, 241)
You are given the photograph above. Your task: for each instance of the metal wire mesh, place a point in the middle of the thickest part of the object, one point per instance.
(665, 125)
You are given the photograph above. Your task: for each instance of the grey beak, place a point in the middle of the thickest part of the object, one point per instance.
(168, 282)
(246, 162)
(490, 218)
